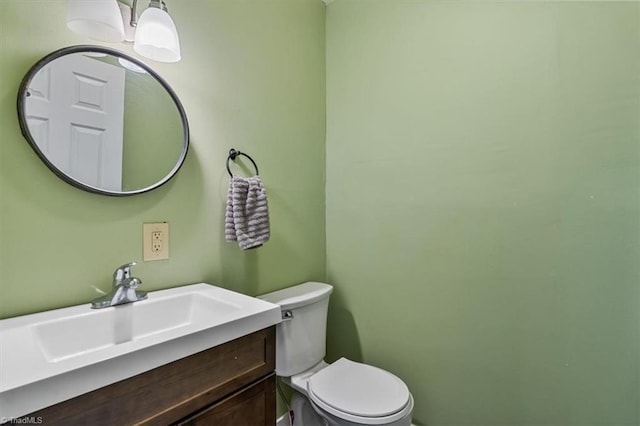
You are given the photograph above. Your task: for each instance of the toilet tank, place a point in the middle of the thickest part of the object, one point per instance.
(301, 336)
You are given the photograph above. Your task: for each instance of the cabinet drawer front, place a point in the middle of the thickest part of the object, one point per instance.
(174, 391)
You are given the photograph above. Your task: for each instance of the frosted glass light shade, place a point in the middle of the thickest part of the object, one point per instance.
(131, 66)
(96, 19)
(157, 37)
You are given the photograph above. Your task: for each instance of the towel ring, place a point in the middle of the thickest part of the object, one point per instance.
(232, 156)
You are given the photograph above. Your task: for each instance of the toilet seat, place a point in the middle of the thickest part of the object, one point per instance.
(359, 393)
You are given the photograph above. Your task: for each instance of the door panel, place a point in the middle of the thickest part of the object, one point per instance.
(80, 119)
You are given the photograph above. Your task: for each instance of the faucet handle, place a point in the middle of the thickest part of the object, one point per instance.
(132, 282)
(122, 272)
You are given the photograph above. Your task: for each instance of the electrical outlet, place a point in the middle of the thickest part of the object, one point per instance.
(155, 241)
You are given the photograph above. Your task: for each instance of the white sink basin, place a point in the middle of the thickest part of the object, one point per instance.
(52, 356)
(96, 330)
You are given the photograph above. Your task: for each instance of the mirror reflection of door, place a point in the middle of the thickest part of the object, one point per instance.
(84, 114)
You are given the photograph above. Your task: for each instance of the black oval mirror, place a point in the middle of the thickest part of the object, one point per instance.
(103, 121)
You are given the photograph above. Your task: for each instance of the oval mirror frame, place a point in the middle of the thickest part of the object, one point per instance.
(23, 93)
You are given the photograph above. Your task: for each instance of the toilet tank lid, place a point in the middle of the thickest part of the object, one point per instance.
(298, 295)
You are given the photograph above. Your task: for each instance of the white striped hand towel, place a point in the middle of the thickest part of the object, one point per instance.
(247, 214)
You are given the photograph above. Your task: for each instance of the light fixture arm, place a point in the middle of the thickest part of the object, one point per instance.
(160, 4)
(134, 14)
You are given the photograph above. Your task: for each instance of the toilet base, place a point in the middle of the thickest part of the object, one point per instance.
(303, 411)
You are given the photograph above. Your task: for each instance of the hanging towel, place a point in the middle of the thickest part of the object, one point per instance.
(247, 214)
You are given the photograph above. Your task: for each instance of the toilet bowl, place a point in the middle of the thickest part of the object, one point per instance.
(344, 392)
(351, 393)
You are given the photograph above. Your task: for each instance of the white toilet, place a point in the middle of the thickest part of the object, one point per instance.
(342, 393)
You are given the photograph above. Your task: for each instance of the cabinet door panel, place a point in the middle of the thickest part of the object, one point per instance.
(171, 392)
(253, 406)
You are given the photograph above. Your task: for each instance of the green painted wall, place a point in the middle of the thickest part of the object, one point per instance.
(483, 204)
(152, 132)
(482, 195)
(252, 77)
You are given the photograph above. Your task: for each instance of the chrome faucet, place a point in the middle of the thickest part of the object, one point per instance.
(124, 289)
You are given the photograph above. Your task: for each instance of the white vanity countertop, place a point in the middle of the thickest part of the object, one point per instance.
(52, 356)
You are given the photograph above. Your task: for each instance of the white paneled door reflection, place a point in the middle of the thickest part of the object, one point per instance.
(78, 122)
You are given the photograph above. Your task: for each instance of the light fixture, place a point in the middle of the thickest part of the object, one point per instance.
(154, 35)
(96, 19)
(131, 66)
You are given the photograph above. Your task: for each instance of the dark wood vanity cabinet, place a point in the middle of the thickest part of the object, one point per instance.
(231, 384)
